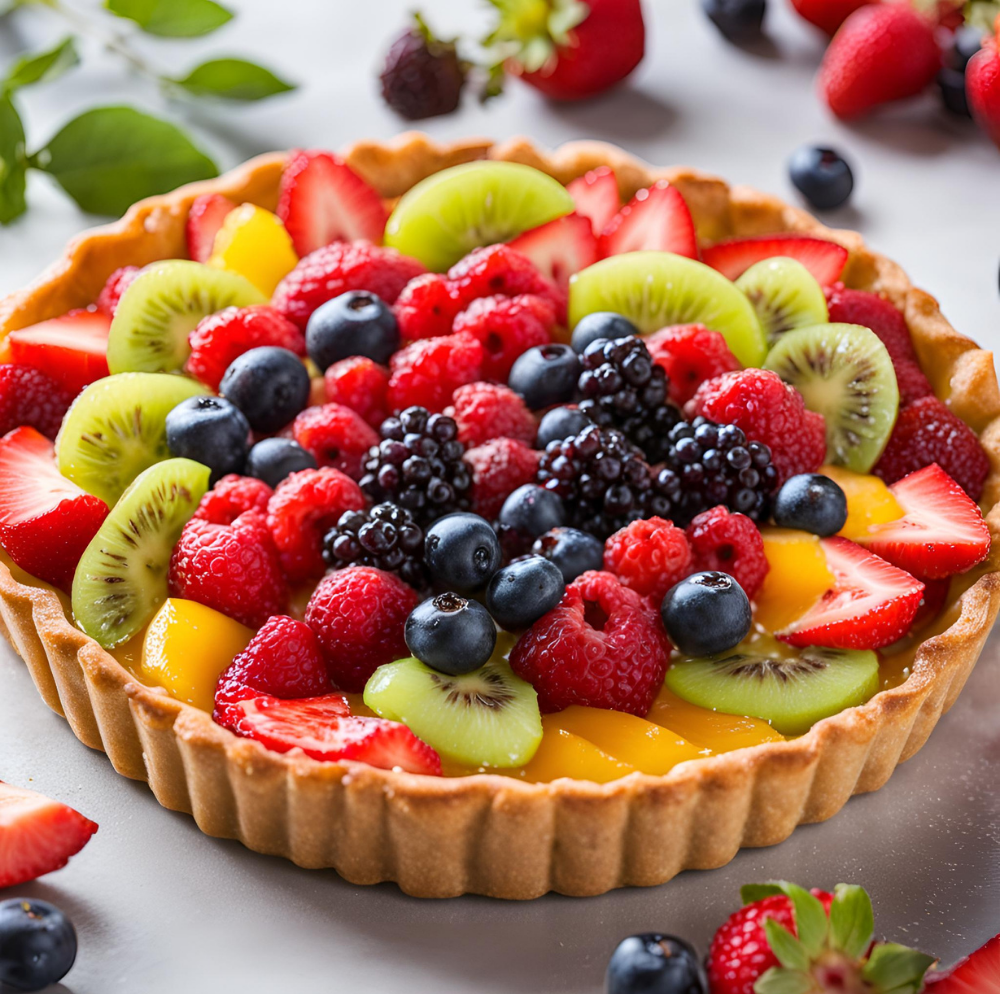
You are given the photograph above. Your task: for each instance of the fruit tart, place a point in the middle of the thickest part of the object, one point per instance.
(492, 520)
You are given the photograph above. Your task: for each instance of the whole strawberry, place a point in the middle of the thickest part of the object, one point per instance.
(827, 15)
(982, 84)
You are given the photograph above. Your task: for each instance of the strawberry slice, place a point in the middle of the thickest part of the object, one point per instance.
(825, 260)
(656, 218)
(560, 248)
(323, 200)
(71, 349)
(596, 196)
(942, 532)
(976, 974)
(46, 521)
(205, 217)
(325, 729)
(871, 605)
(37, 835)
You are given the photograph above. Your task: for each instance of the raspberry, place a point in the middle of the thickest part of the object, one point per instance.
(731, 544)
(336, 436)
(360, 384)
(690, 354)
(427, 372)
(222, 337)
(231, 496)
(303, 509)
(118, 282)
(602, 647)
(499, 467)
(231, 568)
(358, 614)
(928, 432)
(337, 268)
(484, 411)
(506, 327)
(426, 308)
(649, 556)
(29, 397)
(768, 411)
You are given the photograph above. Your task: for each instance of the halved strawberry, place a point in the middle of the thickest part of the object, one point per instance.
(560, 248)
(871, 605)
(323, 200)
(205, 217)
(825, 260)
(72, 349)
(596, 196)
(46, 521)
(976, 974)
(324, 728)
(655, 218)
(37, 835)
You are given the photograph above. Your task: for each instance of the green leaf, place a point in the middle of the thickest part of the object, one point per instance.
(172, 18)
(108, 158)
(852, 921)
(789, 950)
(780, 981)
(811, 923)
(43, 67)
(752, 893)
(233, 79)
(895, 969)
(13, 163)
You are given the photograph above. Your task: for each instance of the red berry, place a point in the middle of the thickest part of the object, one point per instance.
(730, 543)
(506, 327)
(690, 354)
(827, 14)
(426, 307)
(231, 496)
(29, 397)
(118, 282)
(982, 81)
(596, 196)
(358, 613)
(602, 647)
(360, 384)
(303, 509)
(649, 556)
(928, 432)
(484, 411)
(231, 568)
(499, 467)
(427, 372)
(336, 436)
(205, 217)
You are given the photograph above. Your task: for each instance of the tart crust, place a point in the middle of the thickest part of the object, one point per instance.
(488, 834)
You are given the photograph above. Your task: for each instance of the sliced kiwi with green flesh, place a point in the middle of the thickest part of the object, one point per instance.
(448, 214)
(844, 372)
(792, 692)
(785, 295)
(115, 429)
(121, 579)
(485, 718)
(163, 305)
(656, 289)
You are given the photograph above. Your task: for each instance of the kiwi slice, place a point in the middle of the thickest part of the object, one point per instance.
(785, 295)
(792, 692)
(656, 289)
(844, 372)
(448, 214)
(162, 306)
(485, 718)
(115, 429)
(121, 579)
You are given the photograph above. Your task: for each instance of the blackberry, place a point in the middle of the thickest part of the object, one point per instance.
(621, 387)
(602, 477)
(386, 537)
(418, 465)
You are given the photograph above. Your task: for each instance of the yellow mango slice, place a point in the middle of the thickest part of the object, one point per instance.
(563, 754)
(253, 242)
(869, 501)
(798, 576)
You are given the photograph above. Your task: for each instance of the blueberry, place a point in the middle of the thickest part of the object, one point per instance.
(451, 633)
(37, 944)
(269, 385)
(706, 613)
(822, 176)
(572, 550)
(655, 964)
(600, 324)
(951, 83)
(211, 431)
(811, 503)
(560, 423)
(462, 551)
(532, 510)
(273, 459)
(737, 20)
(545, 375)
(519, 594)
(355, 323)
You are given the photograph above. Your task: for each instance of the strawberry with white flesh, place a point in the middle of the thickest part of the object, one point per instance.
(72, 349)
(871, 605)
(657, 219)
(595, 194)
(46, 520)
(560, 248)
(37, 835)
(733, 257)
(204, 220)
(976, 974)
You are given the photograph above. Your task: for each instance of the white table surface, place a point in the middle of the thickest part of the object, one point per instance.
(161, 908)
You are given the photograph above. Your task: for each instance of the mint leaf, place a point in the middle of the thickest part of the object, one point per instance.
(789, 950)
(852, 921)
(13, 163)
(895, 969)
(43, 67)
(233, 79)
(172, 18)
(780, 981)
(108, 158)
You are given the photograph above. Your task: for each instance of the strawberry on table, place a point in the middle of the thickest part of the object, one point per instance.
(976, 974)
(733, 257)
(828, 15)
(595, 194)
(982, 84)
(656, 219)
